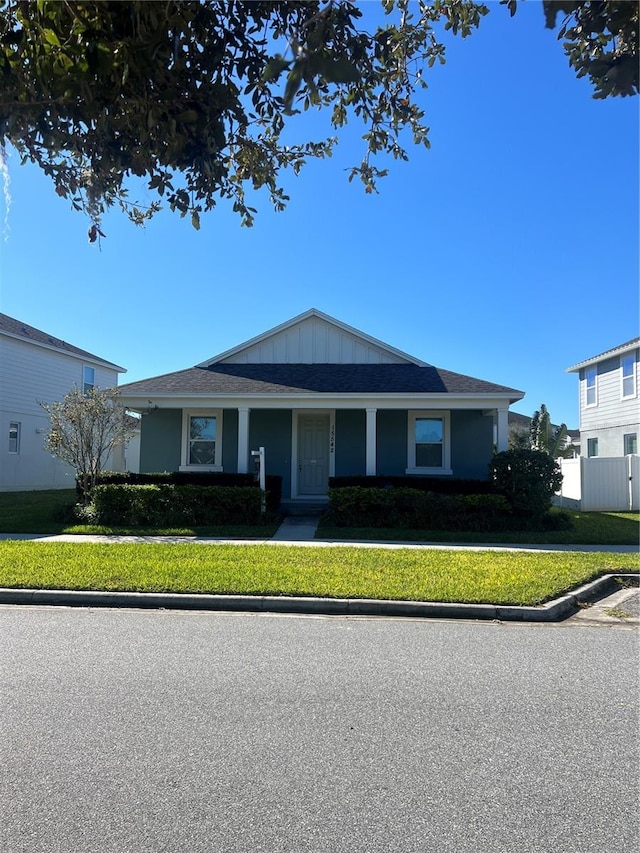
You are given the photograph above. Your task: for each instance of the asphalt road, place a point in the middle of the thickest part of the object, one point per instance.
(136, 731)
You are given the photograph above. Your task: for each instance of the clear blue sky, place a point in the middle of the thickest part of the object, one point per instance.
(509, 251)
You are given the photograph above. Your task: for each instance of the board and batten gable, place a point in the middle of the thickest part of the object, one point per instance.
(313, 338)
(36, 368)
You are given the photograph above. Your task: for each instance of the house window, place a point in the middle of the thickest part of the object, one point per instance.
(88, 379)
(630, 443)
(429, 443)
(14, 437)
(202, 445)
(592, 447)
(628, 376)
(591, 375)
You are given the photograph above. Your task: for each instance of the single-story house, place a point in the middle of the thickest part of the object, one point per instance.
(323, 399)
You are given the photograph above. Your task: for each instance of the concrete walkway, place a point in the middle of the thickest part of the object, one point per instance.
(300, 530)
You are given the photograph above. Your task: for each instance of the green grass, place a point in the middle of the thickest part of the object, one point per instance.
(589, 528)
(401, 574)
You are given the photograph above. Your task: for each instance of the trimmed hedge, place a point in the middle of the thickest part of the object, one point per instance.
(167, 505)
(355, 506)
(439, 485)
(273, 482)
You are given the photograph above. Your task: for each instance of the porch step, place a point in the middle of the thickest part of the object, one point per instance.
(307, 510)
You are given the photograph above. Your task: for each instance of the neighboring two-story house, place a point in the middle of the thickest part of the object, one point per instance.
(609, 410)
(37, 367)
(607, 474)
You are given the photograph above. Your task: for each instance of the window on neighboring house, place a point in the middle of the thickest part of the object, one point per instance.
(592, 447)
(429, 443)
(14, 437)
(630, 443)
(591, 375)
(203, 440)
(88, 379)
(628, 376)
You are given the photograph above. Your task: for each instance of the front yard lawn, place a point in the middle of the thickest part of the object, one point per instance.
(522, 578)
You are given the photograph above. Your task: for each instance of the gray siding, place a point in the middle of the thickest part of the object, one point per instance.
(271, 429)
(611, 410)
(230, 441)
(612, 417)
(29, 374)
(160, 437)
(350, 442)
(392, 442)
(471, 444)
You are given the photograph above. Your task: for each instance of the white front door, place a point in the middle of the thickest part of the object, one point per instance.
(313, 454)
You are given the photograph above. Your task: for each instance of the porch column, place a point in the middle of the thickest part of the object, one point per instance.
(243, 440)
(371, 442)
(502, 438)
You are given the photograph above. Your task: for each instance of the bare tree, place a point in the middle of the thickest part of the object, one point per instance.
(85, 429)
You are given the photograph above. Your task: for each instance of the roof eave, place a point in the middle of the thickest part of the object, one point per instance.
(604, 356)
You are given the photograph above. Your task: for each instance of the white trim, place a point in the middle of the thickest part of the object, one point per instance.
(592, 369)
(15, 427)
(445, 416)
(184, 443)
(502, 430)
(371, 442)
(320, 402)
(92, 385)
(243, 439)
(294, 449)
(634, 364)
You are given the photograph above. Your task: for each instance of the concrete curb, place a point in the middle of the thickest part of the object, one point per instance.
(552, 611)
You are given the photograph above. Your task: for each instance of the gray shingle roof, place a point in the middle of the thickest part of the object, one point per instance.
(30, 333)
(229, 379)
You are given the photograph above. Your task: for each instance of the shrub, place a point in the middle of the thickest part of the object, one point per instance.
(439, 485)
(166, 505)
(528, 479)
(354, 506)
(192, 478)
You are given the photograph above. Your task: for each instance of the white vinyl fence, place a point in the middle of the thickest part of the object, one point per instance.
(601, 483)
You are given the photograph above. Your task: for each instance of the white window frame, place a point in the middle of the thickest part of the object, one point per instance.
(445, 416)
(587, 387)
(628, 358)
(592, 444)
(187, 414)
(88, 386)
(627, 439)
(16, 428)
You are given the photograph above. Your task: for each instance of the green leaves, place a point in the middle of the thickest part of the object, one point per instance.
(194, 97)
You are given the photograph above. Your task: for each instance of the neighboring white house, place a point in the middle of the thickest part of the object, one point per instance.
(37, 367)
(608, 400)
(606, 476)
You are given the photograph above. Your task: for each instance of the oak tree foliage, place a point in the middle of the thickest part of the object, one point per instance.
(192, 98)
